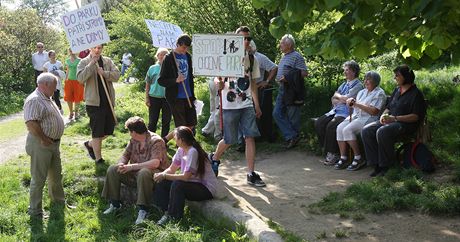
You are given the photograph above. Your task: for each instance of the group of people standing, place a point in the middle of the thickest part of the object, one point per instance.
(169, 89)
(45, 61)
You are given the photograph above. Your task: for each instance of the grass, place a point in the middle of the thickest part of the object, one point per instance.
(399, 190)
(285, 235)
(12, 128)
(82, 186)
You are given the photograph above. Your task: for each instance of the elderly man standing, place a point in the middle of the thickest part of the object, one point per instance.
(46, 127)
(39, 59)
(101, 119)
(287, 117)
(144, 156)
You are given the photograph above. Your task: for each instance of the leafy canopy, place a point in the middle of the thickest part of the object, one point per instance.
(422, 30)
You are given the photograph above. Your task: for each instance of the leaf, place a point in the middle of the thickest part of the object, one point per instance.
(296, 11)
(277, 27)
(414, 43)
(441, 41)
(406, 54)
(330, 4)
(433, 52)
(363, 49)
(415, 53)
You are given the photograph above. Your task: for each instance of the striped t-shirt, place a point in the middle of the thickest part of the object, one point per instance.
(42, 109)
(293, 59)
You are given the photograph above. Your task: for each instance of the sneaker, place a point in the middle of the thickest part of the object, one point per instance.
(164, 220)
(293, 142)
(141, 217)
(90, 150)
(342, 164)
(255, 180)
(333, 159)
(214, 164)
(71, 115)
(100, 161)
(356, 165)
(111, 209)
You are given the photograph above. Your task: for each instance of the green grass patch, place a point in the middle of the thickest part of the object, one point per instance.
(12, 128)
(82, 186)
(285, 234)
(399, 190)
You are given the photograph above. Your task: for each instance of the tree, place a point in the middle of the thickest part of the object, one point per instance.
(423, 31)
(48, 10)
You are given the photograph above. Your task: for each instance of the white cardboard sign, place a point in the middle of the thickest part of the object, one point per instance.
(218, 55)
(164, 34)
(85, 27)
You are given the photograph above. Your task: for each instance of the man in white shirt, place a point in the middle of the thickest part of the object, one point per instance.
(39, 58)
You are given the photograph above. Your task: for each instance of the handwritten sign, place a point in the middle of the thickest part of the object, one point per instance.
(85, 27)
(218, 55)
(164, 34)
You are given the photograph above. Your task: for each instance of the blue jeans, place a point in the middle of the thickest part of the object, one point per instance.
(124, 68)
(287, 118)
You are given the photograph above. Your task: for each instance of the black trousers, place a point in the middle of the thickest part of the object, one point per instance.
(57, 98)
(265, 122)
(157, 105)
(379, 141)
(171, 195)
(325, 128)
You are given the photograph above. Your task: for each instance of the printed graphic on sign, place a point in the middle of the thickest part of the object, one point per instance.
(218, 55)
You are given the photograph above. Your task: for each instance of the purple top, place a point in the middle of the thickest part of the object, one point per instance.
(188, 162)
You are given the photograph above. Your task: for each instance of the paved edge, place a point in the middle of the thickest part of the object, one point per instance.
(256, 227)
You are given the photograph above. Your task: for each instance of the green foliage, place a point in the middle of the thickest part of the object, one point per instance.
(48, 10)
(421, 30)
(20, 31)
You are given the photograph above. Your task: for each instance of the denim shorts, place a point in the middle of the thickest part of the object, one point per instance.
(242, 119)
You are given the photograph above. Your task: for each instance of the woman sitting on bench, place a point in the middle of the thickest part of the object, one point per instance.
(405, 111)
(367, 106)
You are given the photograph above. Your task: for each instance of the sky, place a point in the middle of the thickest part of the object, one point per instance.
(70, 4)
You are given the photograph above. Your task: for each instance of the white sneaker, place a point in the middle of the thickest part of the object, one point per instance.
(111, 209)
(141, 217)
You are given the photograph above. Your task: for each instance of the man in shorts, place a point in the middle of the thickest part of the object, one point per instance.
(101, 119)
(240, 105)
(177, 77)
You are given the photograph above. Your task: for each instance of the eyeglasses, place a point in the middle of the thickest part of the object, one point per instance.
(248, 38)
(40, 47)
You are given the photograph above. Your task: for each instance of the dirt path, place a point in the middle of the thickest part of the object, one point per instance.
(296, 179)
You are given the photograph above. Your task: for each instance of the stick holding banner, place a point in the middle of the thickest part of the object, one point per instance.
(82, 36)
(164, 35)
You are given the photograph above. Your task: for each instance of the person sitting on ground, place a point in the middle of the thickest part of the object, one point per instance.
(367, 107)
(326, 125)
(404, 112)
(144, 155)
(195, 182)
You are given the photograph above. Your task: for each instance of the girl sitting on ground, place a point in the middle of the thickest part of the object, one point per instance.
(195, 181)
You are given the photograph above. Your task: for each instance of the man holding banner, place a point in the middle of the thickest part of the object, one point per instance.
(240, 106)
(92, 71)
(177, 77)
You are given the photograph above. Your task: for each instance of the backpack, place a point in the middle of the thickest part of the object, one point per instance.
(416, 154)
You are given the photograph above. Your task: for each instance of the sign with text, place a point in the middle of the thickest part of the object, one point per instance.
(164, 34)
(85, 28)
(218, 55)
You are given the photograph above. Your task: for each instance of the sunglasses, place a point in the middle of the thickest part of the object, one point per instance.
(248, 38)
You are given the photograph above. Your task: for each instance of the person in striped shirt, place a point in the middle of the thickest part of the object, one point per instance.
(45, 126)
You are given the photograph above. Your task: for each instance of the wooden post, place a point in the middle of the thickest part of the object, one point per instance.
(183, 84)
(108, 96)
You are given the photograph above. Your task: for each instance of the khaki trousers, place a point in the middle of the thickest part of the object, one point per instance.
(45, 162)
(142, 180)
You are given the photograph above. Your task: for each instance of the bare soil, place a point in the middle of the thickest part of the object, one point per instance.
(297, 179)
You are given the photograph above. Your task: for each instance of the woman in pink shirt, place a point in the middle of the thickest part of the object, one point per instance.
(195, 181)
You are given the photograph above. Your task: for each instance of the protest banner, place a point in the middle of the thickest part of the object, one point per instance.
(218, 55)
(164, 34)
(85, 27)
